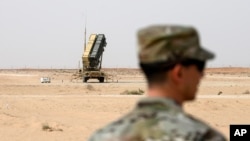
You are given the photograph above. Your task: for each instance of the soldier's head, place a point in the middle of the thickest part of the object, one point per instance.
(172, 54)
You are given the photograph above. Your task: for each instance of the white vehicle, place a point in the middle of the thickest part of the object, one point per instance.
(45, 80)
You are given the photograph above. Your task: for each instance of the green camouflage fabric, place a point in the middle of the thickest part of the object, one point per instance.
(157, 119)
(160, 43)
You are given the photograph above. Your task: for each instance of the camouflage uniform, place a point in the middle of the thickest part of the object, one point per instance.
(157, 119)
(161, 119)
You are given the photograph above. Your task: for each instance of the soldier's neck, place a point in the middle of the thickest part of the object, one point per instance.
(165, 92)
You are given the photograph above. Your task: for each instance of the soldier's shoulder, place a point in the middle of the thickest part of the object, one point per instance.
(157, 125)
(208, 132)
(113, 130)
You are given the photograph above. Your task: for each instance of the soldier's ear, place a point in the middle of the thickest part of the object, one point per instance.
(176, 74)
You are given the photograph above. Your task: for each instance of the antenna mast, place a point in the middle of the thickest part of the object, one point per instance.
(85, 34)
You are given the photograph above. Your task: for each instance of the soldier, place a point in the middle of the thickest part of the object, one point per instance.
(173, 62)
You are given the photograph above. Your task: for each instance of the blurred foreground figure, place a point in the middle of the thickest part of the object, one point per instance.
(173, 62)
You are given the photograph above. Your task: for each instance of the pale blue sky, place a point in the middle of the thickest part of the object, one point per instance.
(50, 33)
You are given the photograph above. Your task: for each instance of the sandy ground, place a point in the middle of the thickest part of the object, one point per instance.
(67, 109)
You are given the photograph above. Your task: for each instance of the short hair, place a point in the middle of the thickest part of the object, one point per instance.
(156, 72)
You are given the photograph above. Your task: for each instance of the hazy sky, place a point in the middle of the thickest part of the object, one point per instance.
(50, 33)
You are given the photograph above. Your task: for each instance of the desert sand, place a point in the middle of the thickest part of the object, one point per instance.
(67, 109)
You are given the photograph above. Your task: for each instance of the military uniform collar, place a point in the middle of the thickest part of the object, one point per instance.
(160, 103)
